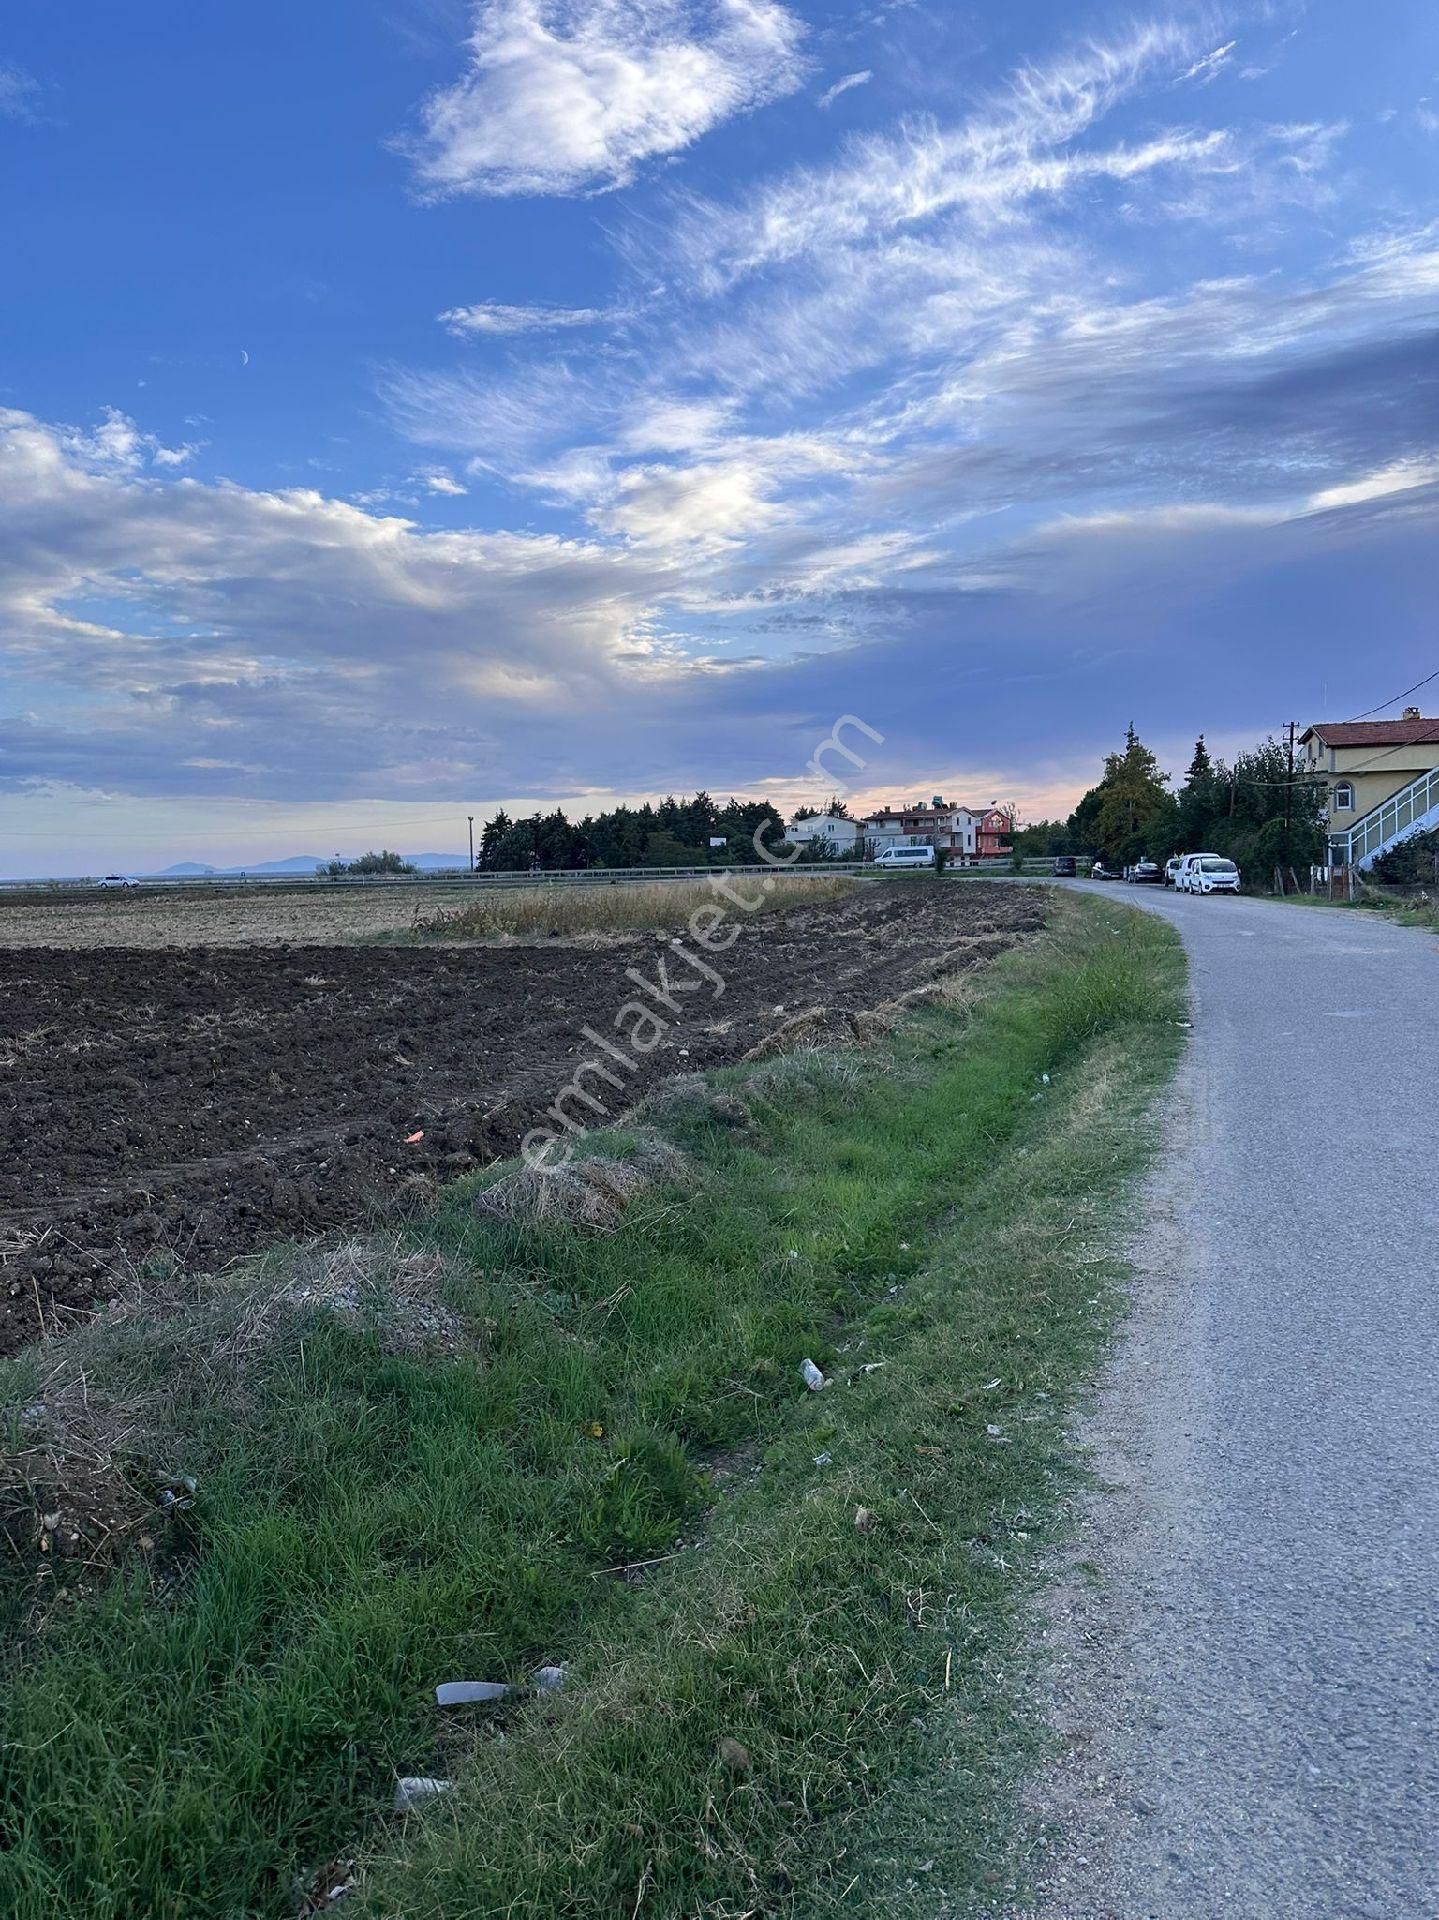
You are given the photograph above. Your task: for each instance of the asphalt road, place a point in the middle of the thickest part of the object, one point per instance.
(1250, 1698)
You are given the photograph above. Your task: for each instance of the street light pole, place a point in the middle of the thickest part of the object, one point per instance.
(472, 842)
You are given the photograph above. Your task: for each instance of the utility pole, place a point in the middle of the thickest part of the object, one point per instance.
(1288, 799)
(471, 818)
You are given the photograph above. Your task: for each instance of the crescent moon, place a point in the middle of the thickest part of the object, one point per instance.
(244, 358)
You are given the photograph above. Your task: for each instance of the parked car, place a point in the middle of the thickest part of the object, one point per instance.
(1207, 873)
(115, 880)
(1064, 867)
(1171, 869)
(1145, 873)
(1100, 872)
(905, 857)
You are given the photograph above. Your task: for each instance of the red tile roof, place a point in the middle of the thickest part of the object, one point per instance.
(1376, 733)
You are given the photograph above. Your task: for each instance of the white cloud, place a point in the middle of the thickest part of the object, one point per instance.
(19, 95)
(1014, 154)
(1207, 67)
(1402, 477)
(713, 506)
(567, 96)
(309, 645)
(845, 85)
(490, 317)
(443, 483)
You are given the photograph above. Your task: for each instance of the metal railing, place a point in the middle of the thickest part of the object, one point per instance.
(459, 878)
(1387, 822)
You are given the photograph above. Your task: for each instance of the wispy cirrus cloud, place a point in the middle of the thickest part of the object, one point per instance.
(20, 95)
(492, 317)
(1208, 66)
(846, 84)
(573, 96)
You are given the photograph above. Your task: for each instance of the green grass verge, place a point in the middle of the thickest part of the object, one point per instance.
(190, 1735)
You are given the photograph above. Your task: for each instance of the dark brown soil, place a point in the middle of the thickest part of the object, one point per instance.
(192, 1105)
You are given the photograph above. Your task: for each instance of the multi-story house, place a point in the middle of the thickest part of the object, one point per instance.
(965, 833)
(1380, 781)
(837, 833)
(992, 834)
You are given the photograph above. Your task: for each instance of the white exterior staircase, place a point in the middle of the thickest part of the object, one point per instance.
(1414, 809)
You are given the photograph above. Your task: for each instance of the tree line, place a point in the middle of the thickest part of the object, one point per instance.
(676, 833)
(1253, 809)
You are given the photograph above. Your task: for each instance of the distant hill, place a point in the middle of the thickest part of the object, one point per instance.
(297, 863)
(300, 863)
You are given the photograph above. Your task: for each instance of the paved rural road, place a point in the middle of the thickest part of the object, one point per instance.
(1252, 1699)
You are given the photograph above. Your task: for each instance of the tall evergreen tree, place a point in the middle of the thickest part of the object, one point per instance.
(1134, 812)
(491, 835)
(1199, 799)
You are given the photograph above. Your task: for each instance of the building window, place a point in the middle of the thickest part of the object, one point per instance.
(1343, 797)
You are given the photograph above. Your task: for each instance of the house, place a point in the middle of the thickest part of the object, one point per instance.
(838, 834)
(923, 824)
(992, 833)
(965, 833)
(1380, 781)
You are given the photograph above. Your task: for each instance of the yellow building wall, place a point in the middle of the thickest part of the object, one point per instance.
(1378, 779)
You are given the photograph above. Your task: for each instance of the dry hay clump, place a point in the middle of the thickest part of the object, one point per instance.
(593, 1192)
(383, 1287)
(823, 1029)
(689, 1100)
(89, 1468)
(807, 1029)
(787, 1075)
(73, 1493)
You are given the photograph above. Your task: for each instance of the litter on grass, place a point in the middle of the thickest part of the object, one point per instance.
(466, 1693)
(414, 1789)
(811, 1375)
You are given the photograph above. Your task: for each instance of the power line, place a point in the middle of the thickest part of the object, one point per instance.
(1390, 702)
(1423, 740)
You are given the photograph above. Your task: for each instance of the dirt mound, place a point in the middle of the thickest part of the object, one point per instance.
(182, 1107)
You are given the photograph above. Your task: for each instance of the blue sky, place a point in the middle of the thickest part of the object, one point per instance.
(410, 408)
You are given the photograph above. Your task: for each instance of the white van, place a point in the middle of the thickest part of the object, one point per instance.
(1207, 873)
(893, 857)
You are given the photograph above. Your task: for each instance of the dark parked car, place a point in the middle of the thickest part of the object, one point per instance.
(1100, 872)
(1146, 873)
(1064, 867)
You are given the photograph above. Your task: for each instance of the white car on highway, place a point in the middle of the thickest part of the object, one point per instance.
(1207, 873)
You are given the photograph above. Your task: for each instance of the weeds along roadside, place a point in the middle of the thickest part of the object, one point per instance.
(743, 1730)
(559, 909)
